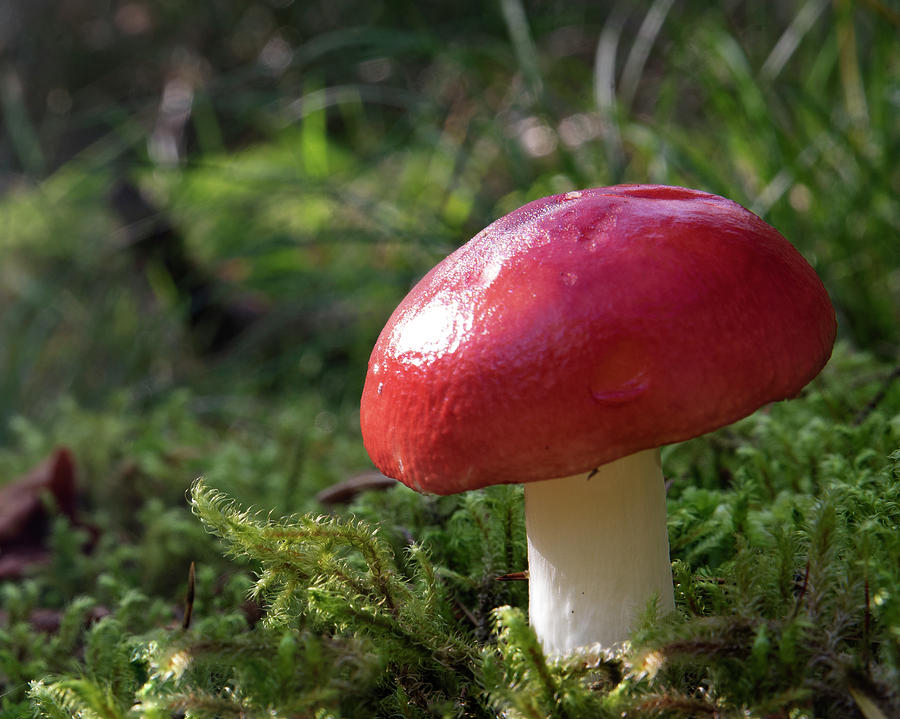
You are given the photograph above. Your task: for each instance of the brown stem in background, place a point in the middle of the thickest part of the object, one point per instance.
(214, 322)
(189, 600)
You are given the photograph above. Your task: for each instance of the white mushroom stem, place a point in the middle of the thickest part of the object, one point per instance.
(598, 552)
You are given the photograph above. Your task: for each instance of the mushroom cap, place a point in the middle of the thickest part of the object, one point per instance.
(584, 327)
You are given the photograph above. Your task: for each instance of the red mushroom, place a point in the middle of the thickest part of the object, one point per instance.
(561, 347)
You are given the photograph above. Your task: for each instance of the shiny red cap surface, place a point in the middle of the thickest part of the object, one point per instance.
(587, 326)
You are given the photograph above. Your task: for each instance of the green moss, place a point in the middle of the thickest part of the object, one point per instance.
(784, 542)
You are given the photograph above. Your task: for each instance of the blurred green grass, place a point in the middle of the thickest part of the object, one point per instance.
(324, 166)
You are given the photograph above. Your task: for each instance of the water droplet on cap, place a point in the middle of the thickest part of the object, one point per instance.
(621, 394)
(620, 372)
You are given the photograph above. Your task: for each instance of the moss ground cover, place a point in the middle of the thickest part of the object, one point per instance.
(783, 533)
